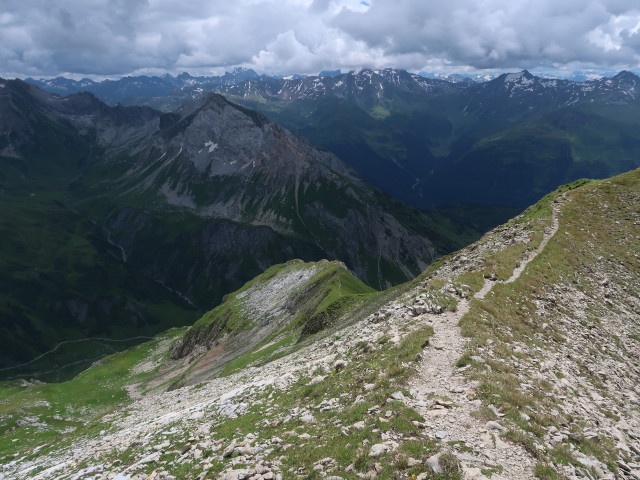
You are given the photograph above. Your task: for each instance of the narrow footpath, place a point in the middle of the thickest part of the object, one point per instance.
(441, 393)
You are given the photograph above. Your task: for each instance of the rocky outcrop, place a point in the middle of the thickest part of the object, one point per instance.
(293, 300)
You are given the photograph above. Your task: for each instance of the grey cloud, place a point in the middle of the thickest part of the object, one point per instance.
(115, 37)
(496, 33)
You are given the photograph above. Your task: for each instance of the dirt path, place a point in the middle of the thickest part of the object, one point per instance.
(488, 285)
(441, 393)
(101, 339)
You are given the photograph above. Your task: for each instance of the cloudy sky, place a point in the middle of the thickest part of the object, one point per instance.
(98, 38)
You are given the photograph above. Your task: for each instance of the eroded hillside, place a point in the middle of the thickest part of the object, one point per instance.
(516, 358)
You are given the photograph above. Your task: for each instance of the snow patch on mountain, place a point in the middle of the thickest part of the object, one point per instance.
(519, 77)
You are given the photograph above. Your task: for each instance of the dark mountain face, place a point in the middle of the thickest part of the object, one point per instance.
(216, 160)
(115, 91)
(186, 206)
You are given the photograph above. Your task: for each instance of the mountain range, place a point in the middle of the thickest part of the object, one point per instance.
(114, 91)
(208, 294)
(435, 143)
(430, 143)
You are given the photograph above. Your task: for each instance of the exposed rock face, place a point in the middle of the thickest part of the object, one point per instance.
(218, 160)
(303, 297)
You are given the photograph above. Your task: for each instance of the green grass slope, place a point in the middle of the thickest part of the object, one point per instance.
(61, 280)
(269, 315)
(53, 414)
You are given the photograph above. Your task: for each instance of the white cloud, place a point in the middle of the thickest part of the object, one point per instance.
(116, 37)
(493, 33)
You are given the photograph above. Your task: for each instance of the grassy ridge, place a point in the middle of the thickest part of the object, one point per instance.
(596, 223)
(320, 297)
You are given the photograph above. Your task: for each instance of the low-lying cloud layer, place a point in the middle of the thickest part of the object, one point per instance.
(116, 37)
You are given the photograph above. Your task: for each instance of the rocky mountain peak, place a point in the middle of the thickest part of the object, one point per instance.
(521, 76)
(82, 103)
(457, 78)
(218, 137)
(627, 82)
(621, 88)
(210, 100)
(329, 73)
(239, 74)
(220, 160)
(214, 102)
(626, 75)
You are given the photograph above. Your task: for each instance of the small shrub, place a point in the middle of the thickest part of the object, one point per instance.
(450, 466)
(546, 472)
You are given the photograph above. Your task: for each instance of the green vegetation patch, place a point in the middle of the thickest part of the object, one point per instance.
(57, 414)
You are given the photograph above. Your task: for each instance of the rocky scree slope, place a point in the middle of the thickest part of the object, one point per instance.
(279, 308)
(513, 358)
